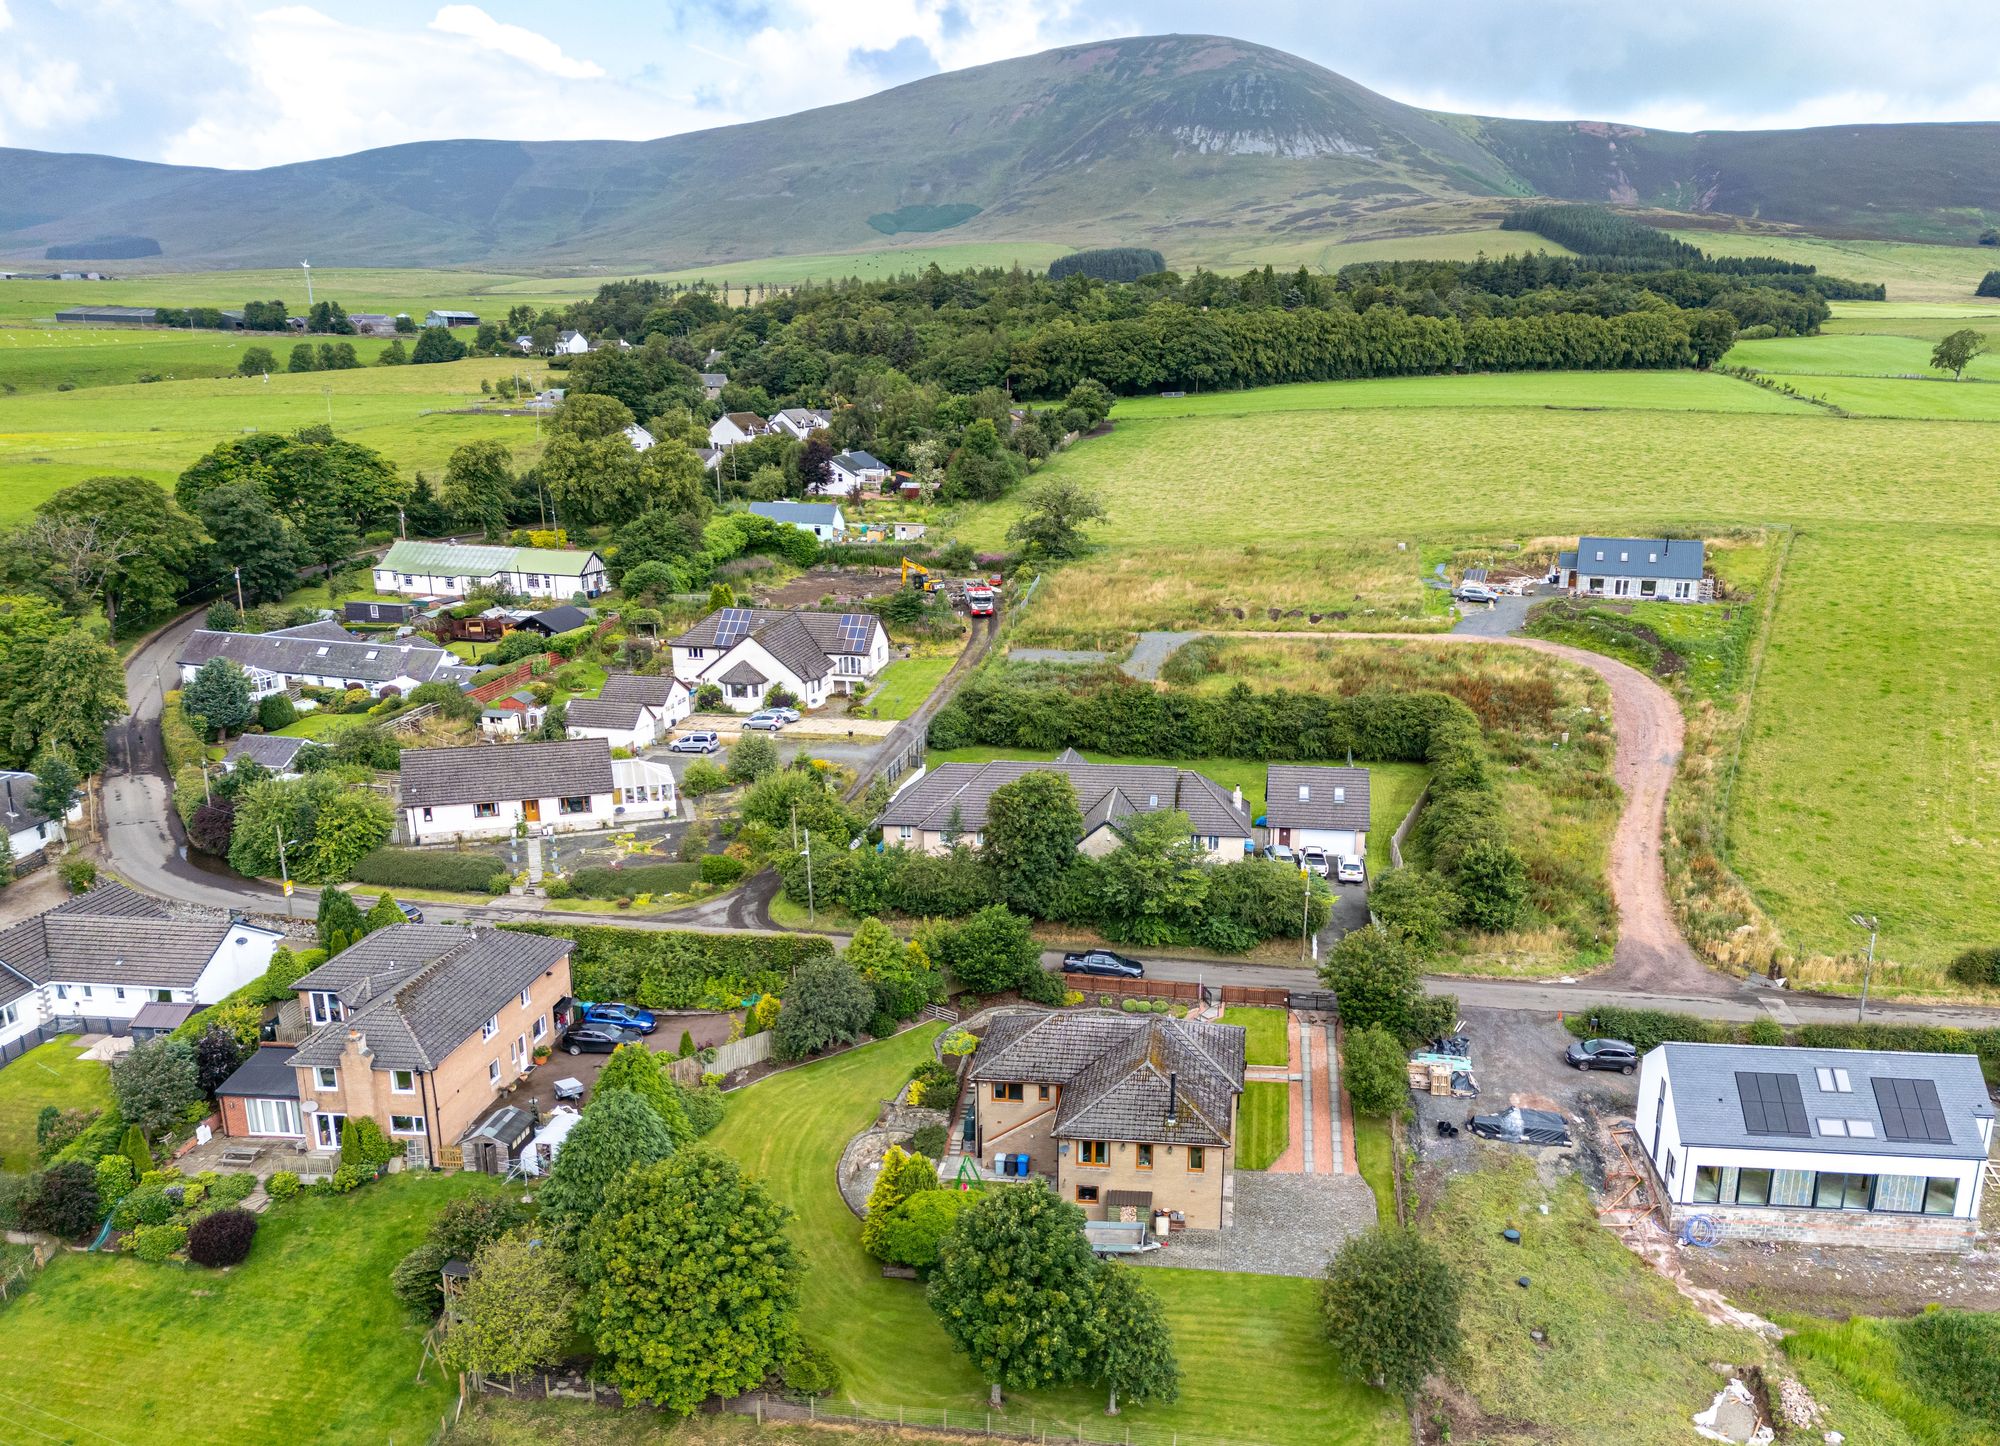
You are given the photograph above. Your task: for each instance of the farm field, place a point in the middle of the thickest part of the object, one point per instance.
(44, 359)
(878, 265)
(49, 1074)
(384, 289)
(1854, 355)
(789, 1129)
(1912, 271)
(1938, 399)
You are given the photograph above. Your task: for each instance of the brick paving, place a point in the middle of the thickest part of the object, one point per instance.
(1321, 1138)
(1283, 1225)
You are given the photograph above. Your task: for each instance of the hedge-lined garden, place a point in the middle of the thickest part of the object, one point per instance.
(670, 969)
(397, 868)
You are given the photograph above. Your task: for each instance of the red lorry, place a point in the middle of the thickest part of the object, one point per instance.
(979, 600)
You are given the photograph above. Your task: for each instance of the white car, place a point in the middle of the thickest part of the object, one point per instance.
(764, 722)
(700, 742)
(1313, 859)
(1350, 871)
(788, 715)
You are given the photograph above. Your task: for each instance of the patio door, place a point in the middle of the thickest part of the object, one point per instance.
(326, 1130)
(531, 809)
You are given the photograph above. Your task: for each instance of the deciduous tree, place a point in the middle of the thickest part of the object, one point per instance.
(1054, 513)
(1135, 1357)
(154, 1083)
(1957, 350)
(515, 1313)
(1390, 1304)
(249, 543)
(1373, 1070)
(1374, 975)
(618, 1132)
(1032, 828)
(478, 486)
(827, 1003)
(125, 541)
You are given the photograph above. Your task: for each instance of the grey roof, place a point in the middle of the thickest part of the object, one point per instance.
(656, 690)
(858, 461)
(835, 633)
(491, 773)
(715, 379)
(1654, 557)
(799, 514)
(16, 800)
(1708, 1104)
(558, 619)
(267, 1074)
(1104, 791)
(744, 676)
(268, 749)
(806, 417)
(1335, 798)
(791, 642)
(159, 1014)
(326, 650)
(363, 612)
(112, 935)
(416, 992)
(603, 712)
(1119, 1073)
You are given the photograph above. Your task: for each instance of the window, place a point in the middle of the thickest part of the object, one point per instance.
(8, 1016)
(1007, 1092)
(489, 1029)
(541, 1026)
(272, 1117)
(1086, 1194)
(1835, 1190)
(528, 998)
(1707, 1184)
(1197, 1159)
(120, 991)
(427, 815)
(1042, 1091)
(327, 1077)
(62, 991)
(1092, 1152)
(406, 1124)
(1834, 1081)
(403, 1081)
(574, 805)
(86, 991)
(694, 652)
(485, 810)
(1941, 1197)
(325, 1007)
(903, 833)
(493, 1073)
(1753, 1187)
(1791, 1187)
(1145, 1157)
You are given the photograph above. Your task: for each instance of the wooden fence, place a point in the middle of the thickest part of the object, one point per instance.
(1180, 991)
(513, 678)
(737, 1054)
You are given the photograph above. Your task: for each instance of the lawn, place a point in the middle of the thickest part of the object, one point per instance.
(905, 684)
(1373, 1146)
(303, 1340)
(322, 723)
(383, 289)
(1267, 1041)
(49, 1074)
(1263, 1124)
(500, 1421)
(790, 1128)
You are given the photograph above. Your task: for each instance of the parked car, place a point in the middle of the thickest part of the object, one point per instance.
(1281, 852)
(789, 715)
(1350, 871)
(1104, 962)
(1475, 592)
(1313, 859)
(702, 741)
(622, 1015)
(411, 912)
(1603, 1054)
(598, 1038)
(764, 722)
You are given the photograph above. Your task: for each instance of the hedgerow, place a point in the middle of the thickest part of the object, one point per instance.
(672, 969)
(634, 879)
(428, 869)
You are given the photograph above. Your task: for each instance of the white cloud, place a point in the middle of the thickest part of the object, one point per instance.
(38, 94)
(517, 41)
(6, 19)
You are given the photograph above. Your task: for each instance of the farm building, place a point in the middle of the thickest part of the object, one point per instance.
(1308, 807)
(107, 316)
(1669, 570)
(451, 318)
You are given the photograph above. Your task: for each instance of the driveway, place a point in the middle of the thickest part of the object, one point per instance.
(1280, 1225)
(1151, 652)
(1494, 619)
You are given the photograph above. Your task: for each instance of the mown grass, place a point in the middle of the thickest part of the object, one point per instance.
(1373, 1147)
(49, 1074)
(1263, 1124)
(904, 685)
(1938, 399)
(789, 1129)
(1856, 355)
(1266, 1038)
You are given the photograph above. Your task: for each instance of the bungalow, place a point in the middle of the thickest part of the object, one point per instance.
(398, 614)
(1128, 1117)
(451, 569)
(571, 343)
(1821, 1146)
(800, 423)
(29, 830)
(947, 805)
(712, 384)
(823, 520)
(639, 437)
(853, 471)
(323, 655)
(562, 786)
(632, 711)
(749, 651)
(566, 618)
(734, 428)
(1309, 807)
(451, 318)
(1669, 569)
(266, 750)
(102, 955)
(512, 716)
(418, 1027)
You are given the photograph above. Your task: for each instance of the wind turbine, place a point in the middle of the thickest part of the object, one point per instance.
(307, 266)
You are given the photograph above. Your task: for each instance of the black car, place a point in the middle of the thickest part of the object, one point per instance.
(1603, 1054)
(598, 1038)
(1105, 963)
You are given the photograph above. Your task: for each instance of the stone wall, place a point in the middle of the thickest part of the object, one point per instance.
(1836, 1227)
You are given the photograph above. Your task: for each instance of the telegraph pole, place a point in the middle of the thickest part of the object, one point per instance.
(239, 589)
(1872, 925)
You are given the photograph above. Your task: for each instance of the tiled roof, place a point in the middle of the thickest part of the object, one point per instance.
(566, 768)
(112, 935)
(1119, 1074)
(1655, 557)
(799, 514)
(1303, 796)
(792, 643)
(17, 800)
(1104, 792)
(860, 462)
(267, 749)
(416, 992)
(653, 689)
(744, 676)
(746, 421)
(326, 650)
(603, 713)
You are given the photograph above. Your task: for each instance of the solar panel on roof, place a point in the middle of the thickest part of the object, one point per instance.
(854, 631)
(733, 625)
(1911, 1110)
(1772, 1104)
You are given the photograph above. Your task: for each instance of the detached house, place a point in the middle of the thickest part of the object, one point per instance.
(571, 343)
(324, 655)
(419, 1027)
(452, 569)
(490, 791)
(29, 830)
(853, 471)
(1670, 570)
(1128, 1116)
(733, 428)
(1327, 808)
(712, 384)
(632, 710)
(749, 651)
(823, 520)
(800, 422)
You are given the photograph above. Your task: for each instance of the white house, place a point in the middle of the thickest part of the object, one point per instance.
(453, 569)
(711, 457)
(492, 791)
(639, 437)
(1307, 807)
(823, 520)
(95, 960)
(29, 830)
(1821, 1146)
(571, 343)
(800, 422)
(854, 470)
(632, 710)
(323, 655)
(1667, 569)
(748, 651)
(734, 428)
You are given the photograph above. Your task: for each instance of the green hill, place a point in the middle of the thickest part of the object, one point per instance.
(1145, 141)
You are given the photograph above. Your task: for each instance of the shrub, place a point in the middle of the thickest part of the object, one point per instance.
(363, 1146)
(65, 1202)
(703, 1106)
(115, 1179)
(349, 1177)
(929, 1140)
(1764, 1030)
(1372, 1067)
(157, 1243)
(721, 869)
(808, 1370)
(77, 873)
(1375, 977)
(1978, 967)
(934, 1080)
(1390, 1306)
(232, 1189)
(1417, 904)
(674, 969)
(701, 778)
(828, 1003)
(276, 711)
(221, 1239)
(634, 879)
(917, 1224)
(282, 1185)
(145, 1205)
(1645, 1028)
(417, 1280)
(466, 873)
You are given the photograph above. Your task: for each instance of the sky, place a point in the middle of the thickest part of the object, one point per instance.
(238, 83)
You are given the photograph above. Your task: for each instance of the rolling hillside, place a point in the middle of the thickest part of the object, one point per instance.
(1152, 140)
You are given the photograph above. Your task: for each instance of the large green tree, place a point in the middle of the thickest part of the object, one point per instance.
(1955, 352)
(1016, 1290)
(250, 545)
(478, 486)
(516, 1311)
(329, 821)
(1374, 975)
(60, 685)
(154, 1084)
(989, 953)
(982, 468)
(1032, 828)
(219, 694)
(299, 472)
(1135, 1357)
(619, 1132)
(636, 1068)
(1054, 513)
(1155, 880)
(121, 541)
(339, 921)
(691, 1281)
(1390, 1305)
(827, 1003)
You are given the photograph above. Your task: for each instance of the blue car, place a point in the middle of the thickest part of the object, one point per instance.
(622, 1016)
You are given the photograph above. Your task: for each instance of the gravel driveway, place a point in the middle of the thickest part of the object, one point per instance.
(1151, 652)
(1282, 1225)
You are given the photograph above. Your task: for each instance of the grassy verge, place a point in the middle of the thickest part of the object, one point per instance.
(904, 685)
(1875, 1362)
(1263, 1124)
(1267, 1040)
(1373, 1147)
(498, 1421)
(49, 1074)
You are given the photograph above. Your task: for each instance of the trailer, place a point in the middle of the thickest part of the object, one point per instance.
(1119, 1237)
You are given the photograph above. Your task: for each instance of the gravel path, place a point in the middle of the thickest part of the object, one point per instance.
(1282, 1225)
(1151, 651)
(1055, 655)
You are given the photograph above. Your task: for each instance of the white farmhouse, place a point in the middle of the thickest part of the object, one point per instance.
(1823, 1146)
(323, 655)
(734, 428)
(632, 710)
(823, 520)
(1327, 808)
(571, 343)
(452, 569)
(800, 423)
(491, 791)
(749, 651)
(95, 960)
(1666, 569)
(639, 437)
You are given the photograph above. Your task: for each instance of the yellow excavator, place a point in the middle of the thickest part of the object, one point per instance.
(915, 574)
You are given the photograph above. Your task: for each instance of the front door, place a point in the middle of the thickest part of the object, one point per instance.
(326, 1130)
(1285, 837)
(531, 809)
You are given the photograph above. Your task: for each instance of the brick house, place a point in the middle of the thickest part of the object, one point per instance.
(420, 1027)
(1119, 1112)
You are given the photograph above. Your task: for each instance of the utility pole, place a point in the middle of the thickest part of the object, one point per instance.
(283, 872)
(1872, 925)
(1305, 912)
(239, 588)
(811, 916)
(307, 266)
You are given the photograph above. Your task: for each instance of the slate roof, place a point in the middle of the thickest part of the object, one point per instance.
(744, 676)
(491, 773)
(267, 1074)
(656, 690)
(16, 800)
(457, 559)
(860, 462)
(603, 713)
(1284, 808)
(1708, 1105)
(799, 514)
(566, 618)
(416, 992)
(826, 629)
(378, 612)
(1654, 557)
(267, 749)
(804, 418)
(746, 421)
(110, 935)
(1119, 1073)
(715, 379)
(326, 650)
(1104, 792)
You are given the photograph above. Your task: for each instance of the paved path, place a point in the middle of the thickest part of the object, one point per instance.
(1151, 652)
(1316, 1145)
(1056, 655)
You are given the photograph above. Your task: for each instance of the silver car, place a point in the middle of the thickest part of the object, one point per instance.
(1313, 859)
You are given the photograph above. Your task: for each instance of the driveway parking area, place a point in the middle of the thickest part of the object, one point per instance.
(1280, 1225)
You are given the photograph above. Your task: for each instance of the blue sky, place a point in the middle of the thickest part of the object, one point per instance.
(240, 83)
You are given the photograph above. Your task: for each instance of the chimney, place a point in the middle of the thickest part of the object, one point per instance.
(357, 1041)
(1173, 1098)
(1236, 796)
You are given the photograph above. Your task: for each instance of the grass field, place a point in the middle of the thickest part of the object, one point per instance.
(49, 1074)
(904, 685)
(1877, 1361)
(305, 1331)
(1266, 1038)
(1263, 1124)
(789, 1129)
(1912, 271)
(1855, 355)
(876, 265)
(383, 289)
(1881, 372)
(42, 359)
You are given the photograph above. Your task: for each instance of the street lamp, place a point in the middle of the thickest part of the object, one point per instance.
(1872, 925)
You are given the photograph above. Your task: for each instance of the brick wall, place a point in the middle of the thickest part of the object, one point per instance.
(1837, 1227)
